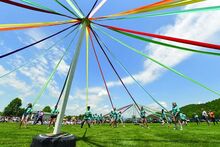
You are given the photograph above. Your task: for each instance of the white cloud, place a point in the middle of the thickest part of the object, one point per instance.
(63, 68)
(13, 81)
(189, 26)
(156, 107)
(96, 95)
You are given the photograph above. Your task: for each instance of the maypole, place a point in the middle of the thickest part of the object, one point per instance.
(68, 85)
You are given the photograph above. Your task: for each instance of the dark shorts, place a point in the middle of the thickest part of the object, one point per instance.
(177, 117)
(143, 117)
(53, 116)
(212, 119)
(164, 119)
(204, 117)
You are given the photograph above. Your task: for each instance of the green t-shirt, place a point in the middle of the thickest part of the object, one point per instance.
(115, 114)
(182, 116)
(196, 116)
(143, 113)
(28, 110)
(163, 115)
(88, 115)
(54, 112)
(119, 115)
(175, 110)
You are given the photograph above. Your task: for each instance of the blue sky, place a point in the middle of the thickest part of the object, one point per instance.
(164, 85)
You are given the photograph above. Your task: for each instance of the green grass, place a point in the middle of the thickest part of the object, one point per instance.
(131, 135)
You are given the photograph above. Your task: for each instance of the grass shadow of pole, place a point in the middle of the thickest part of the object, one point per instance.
(88, 140)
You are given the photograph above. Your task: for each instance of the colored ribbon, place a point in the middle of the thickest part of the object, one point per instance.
(125, 69)
(204, 9)
(38, 57)
(97, 8)
(10, 27)
(87, 66)
(32, 8)
(74, 8)
(114, 69)
(164, 4)
(168, 45)
(64, 85)
(100, 69)
(66, 8)
(92, 8)
(37, 5)
(159, 63)
(43, 89)
(191, 42)
(20, 49)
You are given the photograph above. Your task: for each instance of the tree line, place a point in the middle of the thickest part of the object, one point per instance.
(14, 108)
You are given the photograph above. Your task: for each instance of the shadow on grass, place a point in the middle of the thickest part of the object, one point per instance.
(88, 140)
(171, 138)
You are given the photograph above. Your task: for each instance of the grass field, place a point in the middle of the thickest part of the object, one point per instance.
(131, 135)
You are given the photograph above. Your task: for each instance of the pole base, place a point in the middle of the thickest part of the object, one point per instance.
(58, 140)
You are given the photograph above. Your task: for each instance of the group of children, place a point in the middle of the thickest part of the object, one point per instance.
(39, 116)
(115, 118)
(176, 116)
(210, 116)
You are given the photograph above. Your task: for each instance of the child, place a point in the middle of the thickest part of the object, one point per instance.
(115, 118)
(26, 115)
(87, 117)
(53, 116)
(205, 116)
(40, 116)
(176, 116)
(183, 119)
(196, 118)
(111, 118)
(163, 117)
(212, 117)
(120, 118)
(143, 117)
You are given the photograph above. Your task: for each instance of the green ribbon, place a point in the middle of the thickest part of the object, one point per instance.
(75, 8)
(125, 69)
(166, 44)
(204, 9)
(159, 63)
(38, 57)
(37, 5)
(66, 8)
(53, 73)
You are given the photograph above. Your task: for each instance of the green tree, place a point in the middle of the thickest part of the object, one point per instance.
(47, 109)
(1, 113)
(13, 108)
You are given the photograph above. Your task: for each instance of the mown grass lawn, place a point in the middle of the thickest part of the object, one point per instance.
(131, 135)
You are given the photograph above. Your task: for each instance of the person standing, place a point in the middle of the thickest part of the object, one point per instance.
(143, 117)
(212, 117)
(26, 115)
(176, 116)
(196, 118)
(87, 117)
(163, 117)
(53, 116)
(120, 119)
(183, 119)
(205, 116)
(115, 118)
(40, 116)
